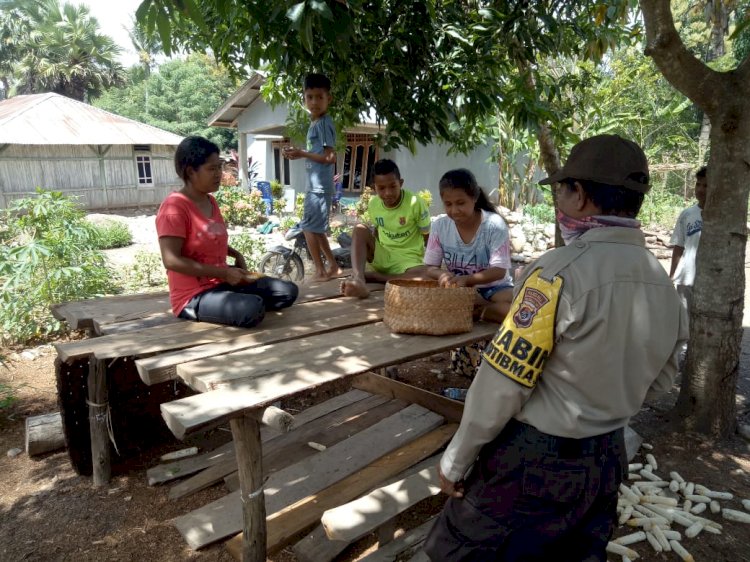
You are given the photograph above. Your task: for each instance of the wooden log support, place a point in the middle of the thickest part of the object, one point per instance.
(44, 434)
(98, 421)
(246, 435)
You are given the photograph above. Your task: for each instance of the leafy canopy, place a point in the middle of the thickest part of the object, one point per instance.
(429, 70)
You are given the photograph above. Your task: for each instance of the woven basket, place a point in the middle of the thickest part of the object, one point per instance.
(423, 307)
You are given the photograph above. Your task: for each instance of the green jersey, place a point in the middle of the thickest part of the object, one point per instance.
(401, 231)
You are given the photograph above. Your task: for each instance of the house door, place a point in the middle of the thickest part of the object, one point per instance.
(361, 153)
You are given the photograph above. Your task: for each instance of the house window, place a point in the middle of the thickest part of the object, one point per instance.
(143, 164)
(359, 157)
(281, 164)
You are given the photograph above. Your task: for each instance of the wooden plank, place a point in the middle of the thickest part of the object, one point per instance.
(451, 410)
(328, 432)
(246, 436)
(110, 328)
(300, 320)
(405, 544)
(283, 525)
(148, 340)
(275, 372)
(81, 314)
(285, 450)
(166, 472)
(355, 519)
(307, 318)
(44, 434)
(121, 308)
(318, 547)
(223, 517)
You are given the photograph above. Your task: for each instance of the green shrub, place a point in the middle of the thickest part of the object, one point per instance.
(661, 208)
(277, 190)
(48, 254)
(426, 196)
(278, 206)
(288, 222)
(251, 247)
(240, 207)
(146, 272)
(112, 234)
(7, 395)
(360, 208)
(299, 205)
(540, 213)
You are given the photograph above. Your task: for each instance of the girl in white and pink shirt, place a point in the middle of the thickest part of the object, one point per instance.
(473, 243)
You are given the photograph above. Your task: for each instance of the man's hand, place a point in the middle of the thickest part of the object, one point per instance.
(453, 489)
(291, 153)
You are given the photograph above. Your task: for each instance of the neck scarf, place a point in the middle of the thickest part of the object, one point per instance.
(571, 228)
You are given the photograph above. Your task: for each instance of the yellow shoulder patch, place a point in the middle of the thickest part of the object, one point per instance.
(525, 340)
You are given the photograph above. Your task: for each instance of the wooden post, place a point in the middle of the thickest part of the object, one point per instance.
(98, 414)
(246, 435)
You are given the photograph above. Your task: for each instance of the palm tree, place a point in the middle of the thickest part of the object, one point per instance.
(65, 53)
(147, 47)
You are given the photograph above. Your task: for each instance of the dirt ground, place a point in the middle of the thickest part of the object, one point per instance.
(50, 513)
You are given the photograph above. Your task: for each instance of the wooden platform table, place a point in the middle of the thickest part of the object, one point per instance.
(238, 386)
(141, 326)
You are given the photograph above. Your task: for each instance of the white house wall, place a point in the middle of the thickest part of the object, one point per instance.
(78, 172)
(424, 169)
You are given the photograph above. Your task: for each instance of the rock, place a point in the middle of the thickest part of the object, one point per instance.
(28, 355)
(549, 231)
(744, 430)
(13, 453)
(540, 244)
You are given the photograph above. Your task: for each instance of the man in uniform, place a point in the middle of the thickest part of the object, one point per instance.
(594, 329)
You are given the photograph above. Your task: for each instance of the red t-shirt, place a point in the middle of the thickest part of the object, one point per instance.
(206, 241)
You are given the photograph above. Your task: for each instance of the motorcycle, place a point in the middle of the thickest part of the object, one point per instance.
(286, 263)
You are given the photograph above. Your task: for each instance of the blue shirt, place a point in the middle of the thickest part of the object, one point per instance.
(320, 135)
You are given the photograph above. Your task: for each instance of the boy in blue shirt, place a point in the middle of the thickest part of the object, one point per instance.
(321, 160)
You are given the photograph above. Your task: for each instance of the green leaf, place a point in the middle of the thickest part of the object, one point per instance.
(165, 32)
(295, 14)
(322, 8)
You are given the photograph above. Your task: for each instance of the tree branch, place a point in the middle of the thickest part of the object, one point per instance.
(683, 70)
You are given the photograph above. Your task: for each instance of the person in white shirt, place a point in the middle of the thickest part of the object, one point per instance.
(685, 240)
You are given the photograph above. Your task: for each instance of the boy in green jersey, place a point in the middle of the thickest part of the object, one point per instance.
(394, 244)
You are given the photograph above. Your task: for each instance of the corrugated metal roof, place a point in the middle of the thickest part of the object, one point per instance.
(55, 119)
(226, 116)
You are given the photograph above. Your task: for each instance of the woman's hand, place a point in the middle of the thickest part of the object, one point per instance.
(236, 276)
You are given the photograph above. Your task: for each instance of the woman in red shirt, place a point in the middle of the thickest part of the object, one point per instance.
(195, 245)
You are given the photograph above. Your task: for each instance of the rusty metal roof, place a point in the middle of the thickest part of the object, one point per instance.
(55, 119)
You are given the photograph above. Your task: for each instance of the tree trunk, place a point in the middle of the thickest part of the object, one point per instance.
(718, 21)
(551, 160)
(707, 397)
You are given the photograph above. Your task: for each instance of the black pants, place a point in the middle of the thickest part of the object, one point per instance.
(240, 305)
(534, 497)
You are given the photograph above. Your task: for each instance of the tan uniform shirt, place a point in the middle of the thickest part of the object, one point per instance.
(618, 333)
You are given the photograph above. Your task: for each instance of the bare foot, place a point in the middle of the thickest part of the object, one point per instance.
(320, 278)
(335, 271)
(354, 288)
